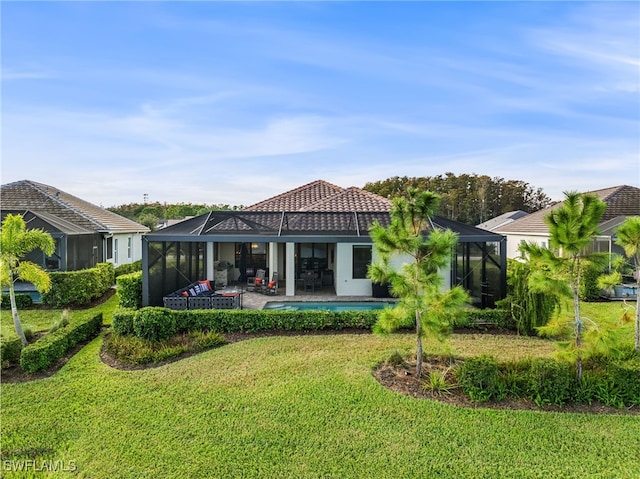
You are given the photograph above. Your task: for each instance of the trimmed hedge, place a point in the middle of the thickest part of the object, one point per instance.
(23, 301)
(128, 268)
(10, 350)
(547, 381)
(46, 351)
(79, 288)
(482, 318)
(156, 322)
(130, 290)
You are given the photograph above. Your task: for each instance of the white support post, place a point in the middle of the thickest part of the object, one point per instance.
(291, 269)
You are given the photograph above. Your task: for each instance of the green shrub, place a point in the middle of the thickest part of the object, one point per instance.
(10, 350)
(589, 290)
(154, 324)
(45, 352)
(623, 378)
(79, 288)
(545, 381)
(526, 309)
(122, 321)
(130, 290)
(479, 378)
(206, 339)
(138, 351)
(550, 382)
(128, 268)
(23, 301)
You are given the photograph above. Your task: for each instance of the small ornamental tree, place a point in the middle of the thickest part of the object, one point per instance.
(15, 242)
(628, 236)
(417, 283)
(558, 269)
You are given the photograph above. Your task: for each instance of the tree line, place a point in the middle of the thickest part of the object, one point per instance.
(151, 214)
(471, 199)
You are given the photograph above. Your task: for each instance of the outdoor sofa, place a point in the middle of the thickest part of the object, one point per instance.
(201, 295)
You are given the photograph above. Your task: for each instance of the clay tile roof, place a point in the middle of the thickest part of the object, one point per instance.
(38, 197)
(323, 196)
(621, 201)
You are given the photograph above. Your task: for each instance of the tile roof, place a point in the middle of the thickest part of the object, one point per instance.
(621, 201)
(38, 197)
(320, 195)
(317, 208)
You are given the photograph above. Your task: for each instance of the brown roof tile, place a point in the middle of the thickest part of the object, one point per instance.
(323, 196)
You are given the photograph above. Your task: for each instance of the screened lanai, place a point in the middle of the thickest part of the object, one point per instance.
(226, 246)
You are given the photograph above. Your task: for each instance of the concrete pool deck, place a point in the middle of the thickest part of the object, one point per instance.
(253, 300)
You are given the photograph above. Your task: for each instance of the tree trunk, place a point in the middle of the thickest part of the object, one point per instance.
(418, 345)
(575, 287)
(637, 278)
(14, 312)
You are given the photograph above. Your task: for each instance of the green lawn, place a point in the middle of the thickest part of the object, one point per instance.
(42, 319)
(297, 407)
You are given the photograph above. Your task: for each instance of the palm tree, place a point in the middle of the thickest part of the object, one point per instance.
(15, 242)
(417, 283)
(628, 236)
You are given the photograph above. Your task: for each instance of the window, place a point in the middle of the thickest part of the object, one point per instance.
(115, 251)
(109, 247)
(361, 260)
(129, 245)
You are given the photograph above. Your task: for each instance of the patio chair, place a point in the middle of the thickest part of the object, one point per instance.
(258, 281)
(272, 286)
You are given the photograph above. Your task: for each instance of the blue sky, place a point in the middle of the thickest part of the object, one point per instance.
(233, 102)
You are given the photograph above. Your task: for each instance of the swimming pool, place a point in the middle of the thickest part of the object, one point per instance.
(327, 305)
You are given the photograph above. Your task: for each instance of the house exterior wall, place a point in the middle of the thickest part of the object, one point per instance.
(345, 283)
(514, 240)
(129, 248)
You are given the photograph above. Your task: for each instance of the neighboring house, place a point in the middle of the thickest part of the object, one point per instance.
(622, 201)
(85, 234)
(319, 229)
(504, 219)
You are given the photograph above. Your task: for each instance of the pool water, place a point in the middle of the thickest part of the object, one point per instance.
(327, 305)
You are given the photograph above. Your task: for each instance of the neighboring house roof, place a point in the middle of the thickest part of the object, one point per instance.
(50, 223)
(317, 208)
(502, 220)
(38, 198)
(621, 201)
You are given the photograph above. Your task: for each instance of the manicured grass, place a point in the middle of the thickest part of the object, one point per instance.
(299, 407)
(42, 319)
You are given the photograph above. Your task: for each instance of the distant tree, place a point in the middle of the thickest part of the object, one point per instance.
(15, 242)
(150, 214)
(418, 282)
(628, 236)
(572, 227)
(471, 199)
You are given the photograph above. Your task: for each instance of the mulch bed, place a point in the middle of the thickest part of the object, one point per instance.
(402, 379)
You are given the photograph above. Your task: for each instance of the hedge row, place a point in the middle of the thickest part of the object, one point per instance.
(79, 288)
(46, 351)
(130, 290)
(156, 324)
(128, 268)
(482, 318)
(547, 381)
(23, 301)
